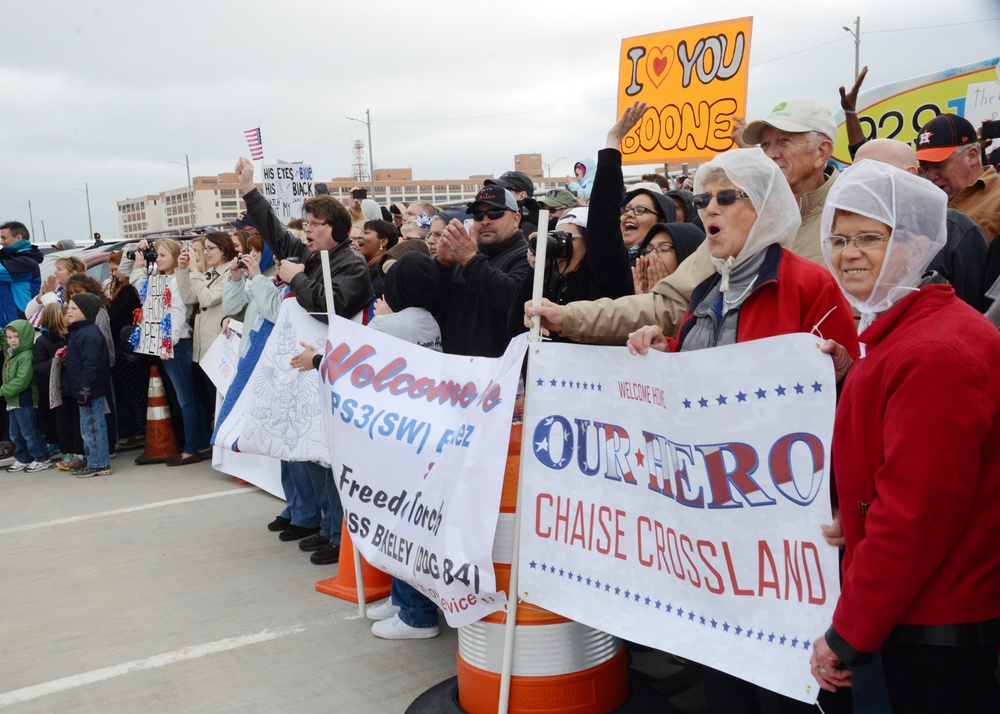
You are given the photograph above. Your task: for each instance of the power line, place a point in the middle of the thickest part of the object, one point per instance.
(807, 49)
(509, 114)
(930, 27)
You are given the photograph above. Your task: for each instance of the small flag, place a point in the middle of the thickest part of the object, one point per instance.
(253, 140)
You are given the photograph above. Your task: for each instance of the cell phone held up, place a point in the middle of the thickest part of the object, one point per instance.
(990, 130)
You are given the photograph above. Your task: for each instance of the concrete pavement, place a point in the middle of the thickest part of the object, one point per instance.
(161, 588)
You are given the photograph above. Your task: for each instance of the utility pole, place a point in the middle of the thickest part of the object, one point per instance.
(857, 45)
(31, 217)
(45, 238)
(371, 162)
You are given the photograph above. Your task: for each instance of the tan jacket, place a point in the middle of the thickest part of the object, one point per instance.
(609, 322)
(981, 202)
(204, 292)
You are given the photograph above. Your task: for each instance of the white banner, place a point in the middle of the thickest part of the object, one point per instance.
(271, 408)
(676, 500)
(419, 442)
(222, 359)
(153, 310)
(286, 187)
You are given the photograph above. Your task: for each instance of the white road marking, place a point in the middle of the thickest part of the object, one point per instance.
(120, 511)
(162, 660)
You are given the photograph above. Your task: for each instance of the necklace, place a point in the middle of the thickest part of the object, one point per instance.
(730, 303)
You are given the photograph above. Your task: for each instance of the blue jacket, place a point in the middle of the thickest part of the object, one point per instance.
(20, 279)
(88, 367)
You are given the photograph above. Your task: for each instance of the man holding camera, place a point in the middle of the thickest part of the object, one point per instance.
(481, 271)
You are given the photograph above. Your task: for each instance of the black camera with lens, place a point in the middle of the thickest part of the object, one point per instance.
(149, 255)
(558, 246)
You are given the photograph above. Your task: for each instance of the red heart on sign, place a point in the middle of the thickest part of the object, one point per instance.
(659, 62)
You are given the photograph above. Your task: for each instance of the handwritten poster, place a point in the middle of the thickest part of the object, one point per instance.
(695, 81)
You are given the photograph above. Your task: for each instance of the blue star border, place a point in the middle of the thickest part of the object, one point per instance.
(671, 609)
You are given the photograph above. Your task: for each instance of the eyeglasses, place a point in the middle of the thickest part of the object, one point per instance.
(494, 214)
(863, 241)
(664, 249)
(726, 197)
(637, 210)
(316, 224)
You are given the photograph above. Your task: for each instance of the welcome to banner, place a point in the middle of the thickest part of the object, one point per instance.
(418, 443)
(676, 500)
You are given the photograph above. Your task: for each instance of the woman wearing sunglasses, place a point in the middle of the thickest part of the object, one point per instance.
(759, 289)
(916, 450)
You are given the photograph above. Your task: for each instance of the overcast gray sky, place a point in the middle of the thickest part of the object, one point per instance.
(109, 92)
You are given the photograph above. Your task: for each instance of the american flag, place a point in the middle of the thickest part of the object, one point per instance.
(253, 140)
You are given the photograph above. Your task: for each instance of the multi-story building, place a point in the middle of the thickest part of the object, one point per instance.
(217, 199)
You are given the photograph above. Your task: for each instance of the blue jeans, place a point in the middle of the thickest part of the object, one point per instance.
(29, 445)
(303, 506)
(329, 500)
(415, 608)
(196, 436)
(94, 430)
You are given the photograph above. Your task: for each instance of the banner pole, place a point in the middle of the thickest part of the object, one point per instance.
(330, 313)
(534, 339)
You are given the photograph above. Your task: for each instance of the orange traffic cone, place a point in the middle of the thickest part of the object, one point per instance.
(344, 584)
(160, 439)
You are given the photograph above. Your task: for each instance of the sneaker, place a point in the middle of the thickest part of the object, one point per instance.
(396, 629)
(82, 467)
(54, 453)
(18, 466)
(38, 466)
(6, 449)
(327, 555)
(71, 462)
(132, 442)
(85, 472)
(294, 532)
(383, 611)
(280, 523)
(113, 455)
(313, 542)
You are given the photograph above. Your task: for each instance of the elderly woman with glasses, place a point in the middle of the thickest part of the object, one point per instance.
(916, 450)
(760, 289)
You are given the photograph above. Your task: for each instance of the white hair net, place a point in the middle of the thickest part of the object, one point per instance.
(778, 218)
(915, 210)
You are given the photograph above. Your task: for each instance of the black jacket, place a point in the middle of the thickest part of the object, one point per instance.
(352, 288)
(962, 260)
(475, 299)
(88, 366)
(42, 351)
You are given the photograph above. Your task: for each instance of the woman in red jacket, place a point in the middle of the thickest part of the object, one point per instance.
(916, 450)
(760, 289)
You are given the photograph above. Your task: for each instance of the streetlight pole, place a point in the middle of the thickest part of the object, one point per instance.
(31, 216)
(90, 223)
(856, 32)
(371, 162)
(45, 238)
(548, 167)
(191, 205)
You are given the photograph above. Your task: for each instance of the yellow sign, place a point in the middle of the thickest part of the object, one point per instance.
(694, 80)
(898, 110)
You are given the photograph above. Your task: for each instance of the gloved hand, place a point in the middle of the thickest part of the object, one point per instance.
(83, 400)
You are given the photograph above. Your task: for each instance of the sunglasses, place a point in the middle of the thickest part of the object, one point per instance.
(726, 197)
(494, 215)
